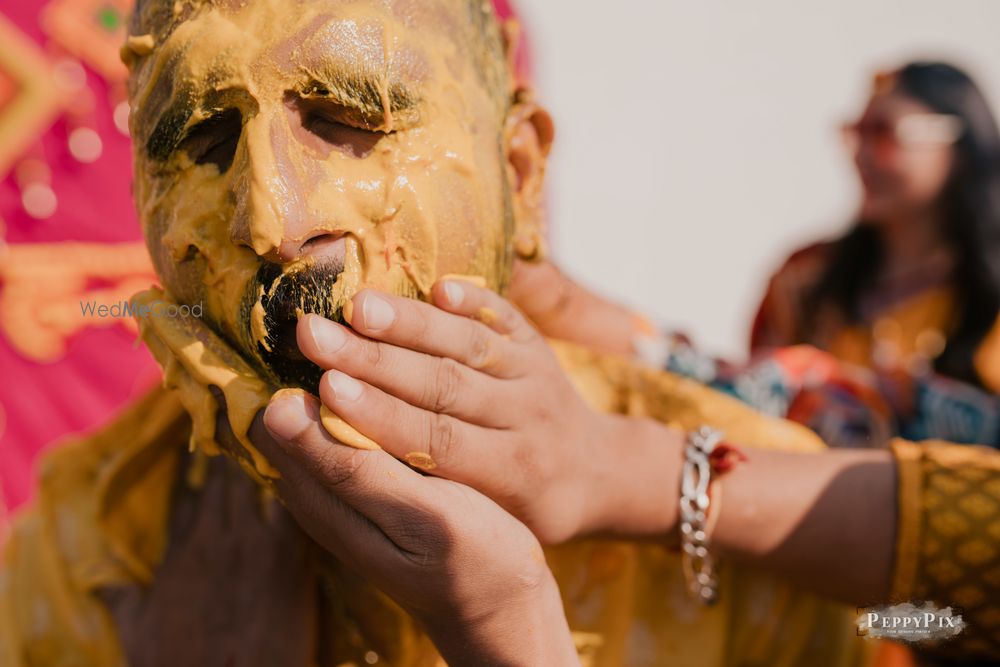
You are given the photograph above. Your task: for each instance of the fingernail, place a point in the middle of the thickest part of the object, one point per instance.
(344, 387)
(287, 418)
(454, 292)
(329, 337)
(379, 314)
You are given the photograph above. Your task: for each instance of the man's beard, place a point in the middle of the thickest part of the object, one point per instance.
(285, 295)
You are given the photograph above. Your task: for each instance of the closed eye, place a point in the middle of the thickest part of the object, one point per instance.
(340, 135)
(214, 140)
(320, 121)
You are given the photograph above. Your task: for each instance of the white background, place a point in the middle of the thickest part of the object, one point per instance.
(698, 143)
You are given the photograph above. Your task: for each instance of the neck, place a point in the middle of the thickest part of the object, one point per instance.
(912, 241)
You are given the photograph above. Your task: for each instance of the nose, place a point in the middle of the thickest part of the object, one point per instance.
(321, 245)
(271, 190)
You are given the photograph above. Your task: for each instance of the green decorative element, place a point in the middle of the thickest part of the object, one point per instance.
(109, 18)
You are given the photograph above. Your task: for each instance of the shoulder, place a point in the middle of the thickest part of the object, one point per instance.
(804, 266)
(96, 522)
(779, 315)
(86, 465)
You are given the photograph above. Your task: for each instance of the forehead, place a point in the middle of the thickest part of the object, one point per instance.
(362, 28)
(206, 39)
(207, 49)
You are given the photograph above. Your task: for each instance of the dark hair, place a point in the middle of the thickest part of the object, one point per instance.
(971, 201)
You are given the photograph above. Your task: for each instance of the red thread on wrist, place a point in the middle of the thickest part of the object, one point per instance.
(725, 457)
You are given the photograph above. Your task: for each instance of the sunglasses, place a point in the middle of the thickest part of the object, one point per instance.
(887, 136)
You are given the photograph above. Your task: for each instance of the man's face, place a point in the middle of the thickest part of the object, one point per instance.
(290, 153)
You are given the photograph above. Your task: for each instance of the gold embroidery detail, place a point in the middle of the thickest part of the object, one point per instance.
(955, 556)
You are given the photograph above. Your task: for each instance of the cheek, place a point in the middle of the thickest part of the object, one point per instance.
(186, 225)
(925, 175)
(169, 248)
(440, 212)
(474, 234)
(471, 226)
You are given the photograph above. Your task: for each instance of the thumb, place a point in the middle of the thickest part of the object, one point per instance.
(563, 309)
(543, 293)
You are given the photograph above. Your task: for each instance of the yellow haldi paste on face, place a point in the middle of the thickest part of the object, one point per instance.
(136, 46)
(258, 325)
(409, 184)
(194, 359)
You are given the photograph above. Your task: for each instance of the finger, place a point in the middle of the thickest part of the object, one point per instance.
(564, 309)
(464, 298)
(339, 528)
(542, 292)
(394, 499)
(439, 384)
(426, 440)
(424, 328)
(328, 519)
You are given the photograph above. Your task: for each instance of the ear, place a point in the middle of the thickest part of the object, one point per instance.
(528, 136)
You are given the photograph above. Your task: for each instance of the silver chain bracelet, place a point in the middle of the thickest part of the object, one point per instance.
(696, 476)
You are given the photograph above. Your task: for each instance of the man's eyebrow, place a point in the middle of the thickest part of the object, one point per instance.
(172, 124)
(379, 105)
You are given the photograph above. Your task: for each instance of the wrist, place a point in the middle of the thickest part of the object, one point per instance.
(598, 475)
(637, 468)
(530, 631)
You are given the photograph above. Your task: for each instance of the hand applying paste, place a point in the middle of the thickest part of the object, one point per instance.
(347, 434)
(478, 397)
(471, 574)
(468, 390)
(503, 419)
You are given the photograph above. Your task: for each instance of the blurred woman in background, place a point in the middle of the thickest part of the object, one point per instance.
(914, 286)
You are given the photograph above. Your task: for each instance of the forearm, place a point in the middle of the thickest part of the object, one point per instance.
(823, 521)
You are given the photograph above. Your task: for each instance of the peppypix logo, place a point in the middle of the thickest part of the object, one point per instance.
(909, 623)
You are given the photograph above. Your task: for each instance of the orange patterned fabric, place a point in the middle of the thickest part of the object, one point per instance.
(948, 539)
